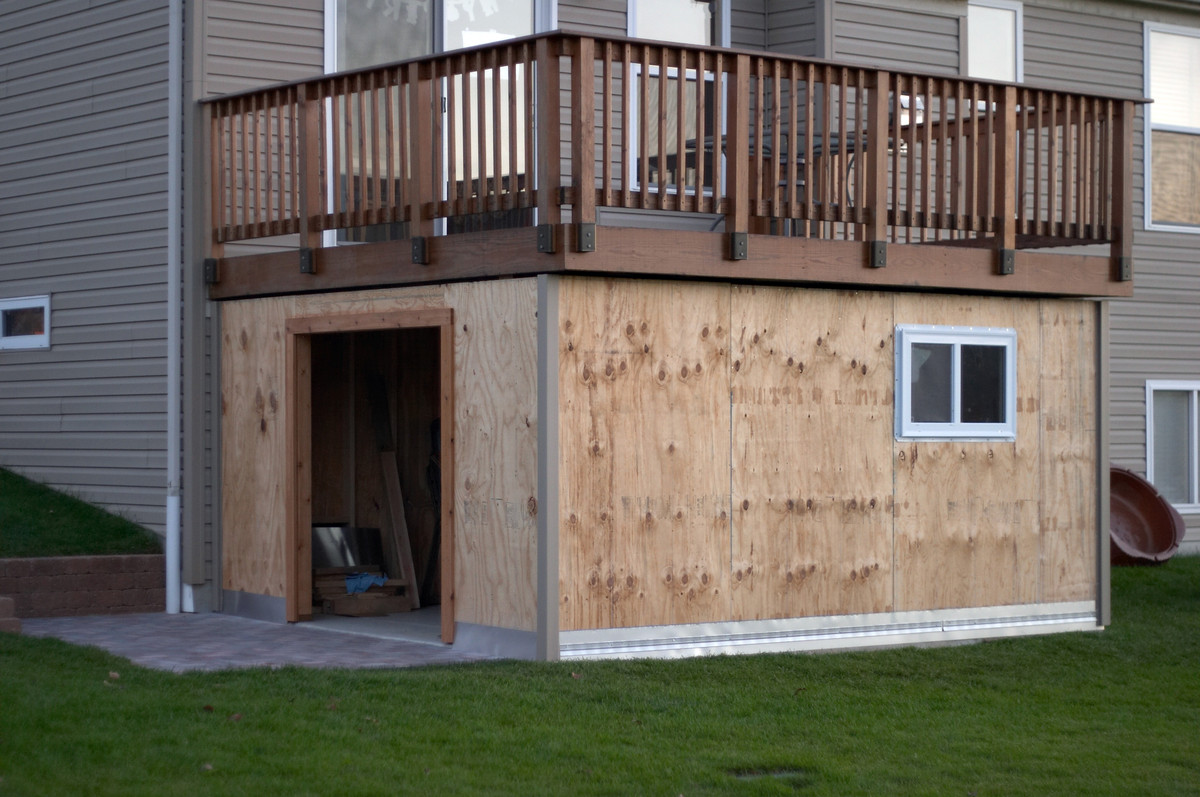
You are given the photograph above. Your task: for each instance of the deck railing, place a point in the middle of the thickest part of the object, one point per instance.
(774, 144)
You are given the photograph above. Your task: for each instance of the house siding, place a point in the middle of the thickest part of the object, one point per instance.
(599, 18)
(83, 107)
(921, 38)
(1156, 333)
(792, 27)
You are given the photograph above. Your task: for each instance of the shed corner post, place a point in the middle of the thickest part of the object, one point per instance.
(547, 648)
(1103, 550)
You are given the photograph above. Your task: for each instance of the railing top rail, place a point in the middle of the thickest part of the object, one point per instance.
(571, 35)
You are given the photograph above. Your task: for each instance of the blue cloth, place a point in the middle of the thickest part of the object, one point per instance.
(361, 582)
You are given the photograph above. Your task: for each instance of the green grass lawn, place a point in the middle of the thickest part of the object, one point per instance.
(38, 521)
(1116, 712)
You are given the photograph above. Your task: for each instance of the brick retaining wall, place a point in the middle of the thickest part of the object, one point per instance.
(65, 586)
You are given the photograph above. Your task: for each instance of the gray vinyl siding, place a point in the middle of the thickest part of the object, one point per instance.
(792, 27)
(894, 38)
(251, 43)
(748, 24)
(597, 17)
(83, 90)
(1155, 334)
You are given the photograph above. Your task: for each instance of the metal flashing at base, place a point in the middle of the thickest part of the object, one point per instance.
(829, 633)
(493, 642)
(254, 606)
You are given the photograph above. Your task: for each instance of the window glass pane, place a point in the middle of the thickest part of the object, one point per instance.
(685, 21)
(1172, 438)
(24, 321)
(470, 24)
(931, 396)
(1175, 164)
(992, 43)
(1175, 79)
(982, 388)
(374, 32)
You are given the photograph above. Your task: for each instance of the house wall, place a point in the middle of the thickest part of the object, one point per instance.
(727, 454)
(83, 142)
(1156, 333)
(918, 36)
(495, 452)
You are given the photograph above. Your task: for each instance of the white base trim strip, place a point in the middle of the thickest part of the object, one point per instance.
(843, 632)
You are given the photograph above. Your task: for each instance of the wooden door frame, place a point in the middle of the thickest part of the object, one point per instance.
(298, 488)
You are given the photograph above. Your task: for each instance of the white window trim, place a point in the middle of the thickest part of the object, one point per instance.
(41, 341)
(1193, 386)
(1018, 9)
(1148, 127)
(907, 335)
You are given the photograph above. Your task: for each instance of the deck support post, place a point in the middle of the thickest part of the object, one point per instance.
(1005, 176)
(737, 215)
(549, 165)
(1121, 226)
(876, 227)
(309, 102)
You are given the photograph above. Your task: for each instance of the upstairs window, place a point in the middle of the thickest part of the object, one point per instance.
(1173, 441)
(25, 323)
(1173, 128)
(955, 383)
(995, 40)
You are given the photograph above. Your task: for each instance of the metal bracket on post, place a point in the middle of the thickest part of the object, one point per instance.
(739, 245)
(420, 250)
(547, 242)
(878, 254)
(1125, 269)
(1007, 261)
(308, 263)
(212, 271)
(585, 236)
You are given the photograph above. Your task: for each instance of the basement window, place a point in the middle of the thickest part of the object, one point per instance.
(25, 323)
(955, 383)
(1173, 441)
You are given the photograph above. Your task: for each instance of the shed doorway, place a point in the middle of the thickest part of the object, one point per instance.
(374, 417)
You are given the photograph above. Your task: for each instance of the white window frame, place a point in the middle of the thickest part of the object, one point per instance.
(41, 341)
(907, 429)
(1149, 127)
(1187, 386)
(1018, 9)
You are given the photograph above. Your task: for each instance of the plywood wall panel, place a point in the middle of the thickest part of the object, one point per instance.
(966, 511)
(495, 439)
(811, 439)
(1068, 460)
(495, 356)
(253, 452)
(644, 433)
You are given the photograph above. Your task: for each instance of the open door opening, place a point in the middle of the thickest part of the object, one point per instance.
(372, 529)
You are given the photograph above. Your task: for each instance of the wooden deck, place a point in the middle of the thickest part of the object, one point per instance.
(797, 171)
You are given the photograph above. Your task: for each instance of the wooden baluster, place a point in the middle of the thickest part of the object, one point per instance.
(703, 204)
(627, 167)
(496, 170)
(606, 142)
(926, 196)
(810, 80)
(681, 84)
(720, 190)
(514, 126)
(528, 125)
(792, 162)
